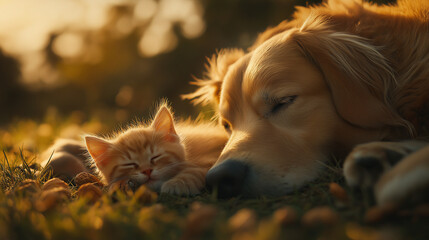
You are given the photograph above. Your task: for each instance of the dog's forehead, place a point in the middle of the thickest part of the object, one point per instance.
(270, 62)
(231, 94)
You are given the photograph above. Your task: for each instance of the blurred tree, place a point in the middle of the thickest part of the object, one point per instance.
(11, 93)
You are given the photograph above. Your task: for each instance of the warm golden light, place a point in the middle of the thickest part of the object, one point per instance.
(74, 29)
(193, 27)
(145, 9)
(68, 45)
(158, 38)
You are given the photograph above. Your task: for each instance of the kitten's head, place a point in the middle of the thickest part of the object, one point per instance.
(140, 155)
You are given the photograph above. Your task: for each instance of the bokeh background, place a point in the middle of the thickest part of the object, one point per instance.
(91, 65)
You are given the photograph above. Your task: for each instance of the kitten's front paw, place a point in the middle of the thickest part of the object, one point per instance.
(122, 185)
(367, 162)
(179, 187)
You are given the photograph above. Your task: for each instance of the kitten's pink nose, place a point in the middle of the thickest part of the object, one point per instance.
(147, 172)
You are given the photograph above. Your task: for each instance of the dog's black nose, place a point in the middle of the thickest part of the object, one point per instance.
(228, 178)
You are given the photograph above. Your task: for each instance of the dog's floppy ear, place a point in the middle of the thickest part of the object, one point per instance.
(209, 87)
(359, 77)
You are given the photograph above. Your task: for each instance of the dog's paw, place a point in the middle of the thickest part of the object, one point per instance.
(367, 162)
(407, 182)
(179, 187)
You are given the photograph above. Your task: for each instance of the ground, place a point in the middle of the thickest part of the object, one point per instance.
(325, 209)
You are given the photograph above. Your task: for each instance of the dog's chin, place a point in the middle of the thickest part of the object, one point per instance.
(266, 184)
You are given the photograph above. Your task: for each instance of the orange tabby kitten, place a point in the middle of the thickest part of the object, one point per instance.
(164, 160)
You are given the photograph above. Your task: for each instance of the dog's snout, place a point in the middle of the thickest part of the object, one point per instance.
(228, 178)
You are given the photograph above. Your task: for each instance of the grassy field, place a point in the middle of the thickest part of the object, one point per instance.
(325, 209)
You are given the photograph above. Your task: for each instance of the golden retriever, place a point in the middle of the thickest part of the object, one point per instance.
(336, 76)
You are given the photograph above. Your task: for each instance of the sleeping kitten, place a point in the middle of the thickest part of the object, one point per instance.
(164, 160)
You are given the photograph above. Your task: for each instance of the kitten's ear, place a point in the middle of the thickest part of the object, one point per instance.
(164, 122)
(98, 149)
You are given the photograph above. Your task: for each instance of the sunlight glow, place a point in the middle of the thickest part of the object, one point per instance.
(193, 27)
(45, 130)
(145, 9)
(74, 29)
(68, 45)
(158, 38)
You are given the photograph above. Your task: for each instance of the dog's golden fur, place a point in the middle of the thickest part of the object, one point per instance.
(357, 72)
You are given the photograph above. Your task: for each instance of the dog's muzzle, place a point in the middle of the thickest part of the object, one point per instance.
(228, 178)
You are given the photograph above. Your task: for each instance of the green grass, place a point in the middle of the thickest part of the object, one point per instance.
(131, 216)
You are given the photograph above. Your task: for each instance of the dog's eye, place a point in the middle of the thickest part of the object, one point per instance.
(227, 126)
(281, 103)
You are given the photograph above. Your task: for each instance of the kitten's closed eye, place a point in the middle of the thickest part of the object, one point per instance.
(134, 165)
(154, 158)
